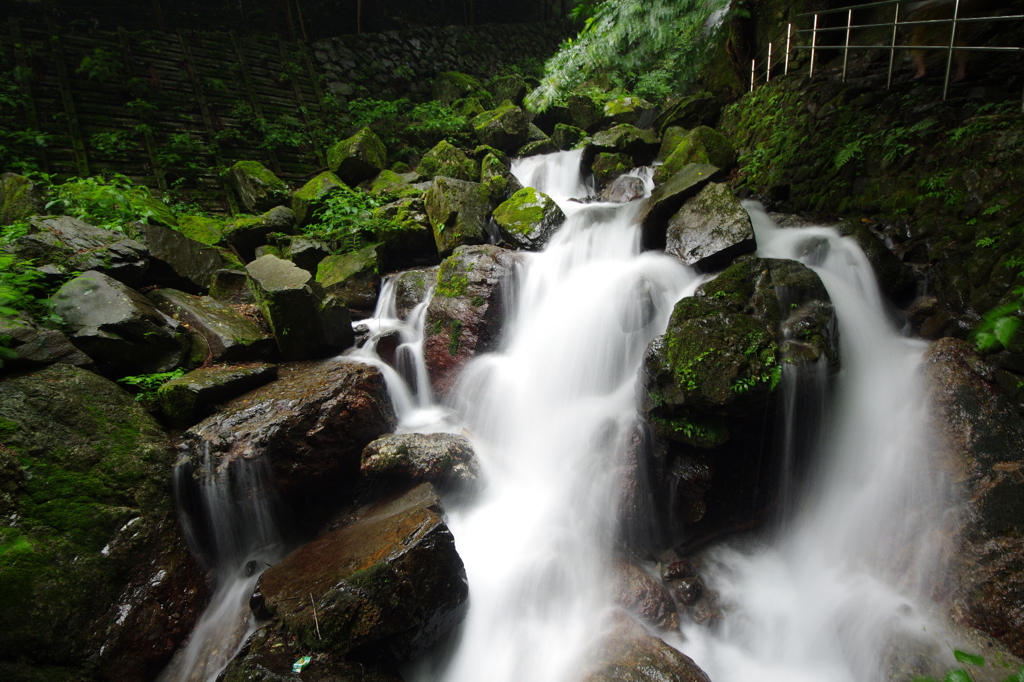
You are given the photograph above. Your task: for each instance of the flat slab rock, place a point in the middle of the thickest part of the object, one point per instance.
(386, 585)
(444, 459)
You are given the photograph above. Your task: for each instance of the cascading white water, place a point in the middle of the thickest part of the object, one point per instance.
(849, 573)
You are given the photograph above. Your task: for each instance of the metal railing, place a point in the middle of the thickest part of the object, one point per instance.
(815, 47)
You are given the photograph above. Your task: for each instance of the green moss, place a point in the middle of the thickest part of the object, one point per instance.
(607, 166)
(447, 160)
(454, 337)
(8, 426)
(264, 175)
(703, 431)
(523, 211)
(202, 229)
(452, 281)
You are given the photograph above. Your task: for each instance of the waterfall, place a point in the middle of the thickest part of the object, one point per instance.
(847, 577)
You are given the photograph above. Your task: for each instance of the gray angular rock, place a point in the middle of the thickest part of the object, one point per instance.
(175, 260)
(189, 398)
(306, 322)
(219, 333)
(358, 158)
(458, 212)
(444, 459)
(527, 219)
(71, 244)
(231, 287)
(624, 189)
(256, 186)
(411, 289)
(305, 252)
(352, 278)
(386, 585)
(640, 145)
(666, 200)
(19, 199)
(710, 229)
(34, 346)
(629, 654)
(245, 234)
(118, 327)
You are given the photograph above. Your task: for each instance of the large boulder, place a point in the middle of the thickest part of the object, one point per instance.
(444, 459)
(447, 160)
(495, 173)
(449, 86)
(231, 287)
(644, 595)
(385, 586)
(34, 346)
(219, 333)
(512, 87)
(702, 109)
(628, 654)
(458, 213)
(309, 426)
(466, 312)
(358, 158)
(640, 146)
(607, 167)
(118, 327)
(306, 321)
(980, 435)
(566, 137)
(710, 229)
(72, 245)
(96, 581)
(305, 252)
(527, 219)
(630, 110)
(666, 200)
(175, 260)
(894, 277)
(701, 145)
(309, 200)
(256, 186)
(189, 398)
(19, 199)
(624, 189)
(407, 238)
(411, 289)
(353, 278)
(246, 233)
(505, 128)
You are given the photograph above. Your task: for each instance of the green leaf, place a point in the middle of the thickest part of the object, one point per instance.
(1003, 330)
(924, 678)
(957, 675)
(970, 659)
(1015, 677)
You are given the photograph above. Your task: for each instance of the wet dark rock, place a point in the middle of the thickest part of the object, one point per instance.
(512, 88)
(19, 198)
(631, 110)
(537, 147)
(505, 128)
(644, 596)
(231, 287)
(444, 459)
(701, 145)
(309, 200)
(256, 186)
(495, 174)
(268, 655)
(467, 310)
(894, 277)
(410, 239)
(95, 576)
(628, 654)
(305, 252)
(73, 245)
(411, 288)
(447, 160)
(386, 584)
(710, 229)
(458, 213)
(189, 398)
(35, 346)
(702, 109)
(981, 444)
(353, 278)
(358, 158)
(310, 425)
(219, 333)
(245, 234)
(606, 167)
(118, 327)
(175, 260)
(624, 189)
(527, 219)
(566, 137)
(668, 198)
(639, 145)
(306, 321)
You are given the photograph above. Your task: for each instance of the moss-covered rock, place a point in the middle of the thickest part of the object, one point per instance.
(353, 278)
(629, 109)
(156, 211)
(458, 212)
(358, 158)
(670, 139)
(496, 174)
(537, 147)
(567, 137)
(393, 184)
(666, 200)
(700, 145)
(19, 198)
(505, 127)
(203, 229)
(527, 219)
(640, 145)
(188, 399)
(710, 229)
(231, 287)
(607, 166)
(449, 86)
(91, 551)
(404, 234)
(256, 186)
(512, 88)
(702, 109)
(447, 160)
(245, 234)
(584, 112)
(308, 201)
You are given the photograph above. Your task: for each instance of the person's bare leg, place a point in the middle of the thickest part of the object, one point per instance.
(918, 58)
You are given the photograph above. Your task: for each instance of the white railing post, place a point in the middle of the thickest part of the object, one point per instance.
(814, 43)
(753, 66)
(952, 39)
(846, 50)
(768, 73)
(789, 41)
(892, 50)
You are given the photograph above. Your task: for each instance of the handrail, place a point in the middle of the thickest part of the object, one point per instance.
(955, 21)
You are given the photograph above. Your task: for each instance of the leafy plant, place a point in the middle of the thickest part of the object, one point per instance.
(110, 144)
(964, 674)
(106, 202)
(101, 65)
(20, 293)
(147, 385)
(347, 220)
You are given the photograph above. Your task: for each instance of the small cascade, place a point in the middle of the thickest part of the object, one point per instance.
(229, 519)
(845, 583)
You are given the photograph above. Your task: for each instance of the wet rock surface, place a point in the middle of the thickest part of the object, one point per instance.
(710, 229)
(458, 213)
(466, 313)
(358, 158)
(257, 188)
(668, 198)
(629, 654)
(527, 219)
(311, 425)
(411, 288)
(644, 595)
(701, 145)
(444, 459)
(624, 189)
(175, 260)
(386, 583)
(189, 398)
(353, 278)
(246, 234)
(36, 346)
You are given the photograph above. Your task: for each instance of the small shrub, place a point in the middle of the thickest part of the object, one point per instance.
(145, 386)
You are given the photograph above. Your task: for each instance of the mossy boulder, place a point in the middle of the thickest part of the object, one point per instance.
(386, 585)
(91, 550)
(512, 88)
(700, 145)
(527, 219)
(118, 327)
(405, 236)
(256, 186)
(209, 231)
(495, 173)
(607, 166)
(629, 109)
(666, 200)
(443, 459)
(19, 198)
(710, 229)
(353, 278)
(449, 86)
(466, 312)
(156, 211)
(306, 321)
(702, 109)
(505, 128)
(358, 158)
(188, 399)
(447, 160)
(393, 184)
(458, 212)
(218, 332)
(640, 145)
(567, 137)
(584, 112)
(670, 139)
(175, 260)
(537, 147)
(308, 201)
(245, 234)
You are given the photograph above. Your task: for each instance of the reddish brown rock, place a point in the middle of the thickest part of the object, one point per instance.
(629, 654)
(644, 596)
